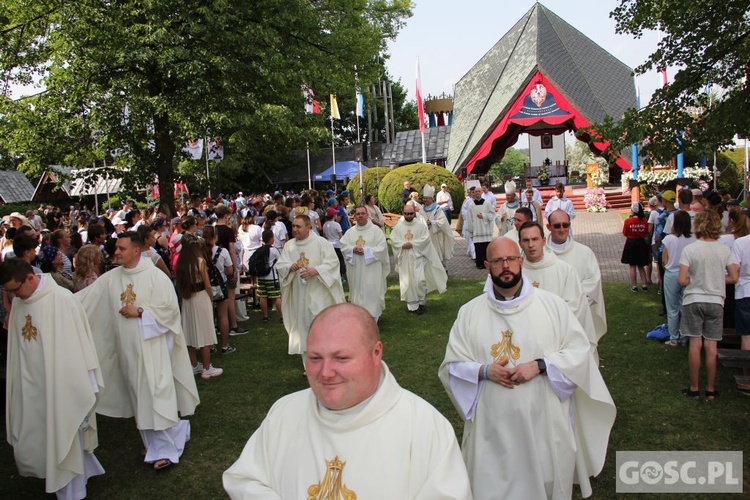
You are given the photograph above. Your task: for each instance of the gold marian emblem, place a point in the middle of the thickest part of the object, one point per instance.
(505, 350)
(128, 296)
(331, 488)
(408, 236)
(303, 261)
(535, 284)
(360, 242)
(29, 331)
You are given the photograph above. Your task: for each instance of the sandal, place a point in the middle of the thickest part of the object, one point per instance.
(691, 394)
(162, 463)
(671, 343)
(281, 320)
(712, 395)
(266, 319)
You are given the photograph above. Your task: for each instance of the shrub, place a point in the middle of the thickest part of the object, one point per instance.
(372, 178)
(418, 174)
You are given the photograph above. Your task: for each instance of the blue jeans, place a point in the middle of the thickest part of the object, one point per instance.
(673, 300)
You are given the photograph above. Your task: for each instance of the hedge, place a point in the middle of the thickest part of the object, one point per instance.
(418, 174)
(372, 178)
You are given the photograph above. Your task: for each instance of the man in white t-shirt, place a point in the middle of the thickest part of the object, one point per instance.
(445, 201)
(684, 200)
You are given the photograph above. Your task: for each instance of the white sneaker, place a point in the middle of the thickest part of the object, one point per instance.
(211, 372)
(198, 369)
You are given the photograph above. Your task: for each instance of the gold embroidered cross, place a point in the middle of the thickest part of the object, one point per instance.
(303, 261)
(29, 331)
(360, 242)
(408, 236)
(128, 296)
(505, 350)
(535, 284)
(331, 487)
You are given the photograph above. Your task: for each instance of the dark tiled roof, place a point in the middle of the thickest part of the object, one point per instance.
(407, 146)
(15, 187)
(595, 82)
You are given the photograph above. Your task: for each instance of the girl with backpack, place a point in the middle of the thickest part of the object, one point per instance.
(219, 258)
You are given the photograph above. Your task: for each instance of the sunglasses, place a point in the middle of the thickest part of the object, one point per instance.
(409, 214)
(560, 225)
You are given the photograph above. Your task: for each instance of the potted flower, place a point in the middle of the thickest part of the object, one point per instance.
(543, 174)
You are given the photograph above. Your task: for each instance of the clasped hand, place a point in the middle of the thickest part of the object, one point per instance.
(511, 377)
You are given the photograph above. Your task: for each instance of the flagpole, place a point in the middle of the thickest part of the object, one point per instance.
(420, 112)
(309, 178)
(359, 139)
(208, 180)
(333, 153)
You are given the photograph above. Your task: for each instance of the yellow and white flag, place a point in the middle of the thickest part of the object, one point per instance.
(335, 108)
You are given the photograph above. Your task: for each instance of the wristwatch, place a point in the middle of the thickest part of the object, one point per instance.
(140, 312)
(542, 366)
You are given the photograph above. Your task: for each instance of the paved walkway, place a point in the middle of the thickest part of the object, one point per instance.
(601, 232)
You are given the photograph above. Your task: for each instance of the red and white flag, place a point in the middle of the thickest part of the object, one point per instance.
(180, 186)
(312, 107)
(420, 101)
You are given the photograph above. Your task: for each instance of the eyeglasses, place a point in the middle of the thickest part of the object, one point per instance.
(507, 260)
(14, 290)
(559, 225)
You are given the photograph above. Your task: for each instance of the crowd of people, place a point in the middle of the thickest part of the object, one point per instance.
(701, 250)
(147, 299)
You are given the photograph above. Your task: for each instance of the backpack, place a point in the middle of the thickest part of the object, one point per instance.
(258, 263)
(218, 285)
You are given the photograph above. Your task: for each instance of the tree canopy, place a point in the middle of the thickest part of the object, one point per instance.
(129, 81)
(707, 42)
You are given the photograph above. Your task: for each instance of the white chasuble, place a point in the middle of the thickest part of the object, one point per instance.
(441, 233)
(561, 279)
(52, 375)
(367, 272)
(151, 378)
(419, 268)
(584, 261)
(302, 300)
(527, 442)
(393, 445)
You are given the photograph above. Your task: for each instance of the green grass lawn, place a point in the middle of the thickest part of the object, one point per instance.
(644, 377)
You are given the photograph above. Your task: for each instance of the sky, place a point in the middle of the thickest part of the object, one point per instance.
(450, 36)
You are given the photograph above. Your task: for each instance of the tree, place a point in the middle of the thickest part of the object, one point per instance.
(513, 163)
(708, 41)
(129, 81)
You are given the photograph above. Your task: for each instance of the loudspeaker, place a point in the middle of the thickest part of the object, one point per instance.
(360, 151)
(333, 179)
(375, 150)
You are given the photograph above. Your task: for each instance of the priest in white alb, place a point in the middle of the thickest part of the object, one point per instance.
(418, 264)
(480, 225)
(310, 280)
(137, 327)
(367, 263)
(441, 233)
(354, 434)
(519, 370)
(547, 272)
(52, 382)
(584, 261)
(504, 217)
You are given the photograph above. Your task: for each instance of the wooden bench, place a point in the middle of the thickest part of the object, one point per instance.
(734, 358)
(730, 338)
(743, 383)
